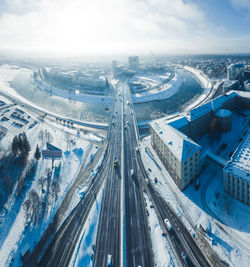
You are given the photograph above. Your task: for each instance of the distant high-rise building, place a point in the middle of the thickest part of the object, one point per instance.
(247, 85)
(133, 63)
(235, 72)
(114, 66)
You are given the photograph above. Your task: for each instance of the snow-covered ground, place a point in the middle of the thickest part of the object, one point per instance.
(86, 98)
(225, 219)
(85, 250)
(163, 254)
(161, 91)
(14, 232)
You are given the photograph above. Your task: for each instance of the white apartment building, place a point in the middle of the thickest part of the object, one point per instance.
(236, 175)
(179, 154)
(91, 82)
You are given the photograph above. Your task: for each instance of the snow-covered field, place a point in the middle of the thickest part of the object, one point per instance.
(161, 91)
(14, 230)
(85, 250)
(228, 233)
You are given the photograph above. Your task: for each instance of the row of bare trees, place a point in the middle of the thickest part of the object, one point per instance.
(36, 207)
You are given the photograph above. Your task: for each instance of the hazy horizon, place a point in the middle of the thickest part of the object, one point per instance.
(61, 27)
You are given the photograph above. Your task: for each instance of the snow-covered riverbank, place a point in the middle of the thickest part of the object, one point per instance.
(200, 76)
(165, 91)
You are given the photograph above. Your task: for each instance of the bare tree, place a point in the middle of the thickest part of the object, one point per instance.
(35, 201)
(48, 136)
(42, 181)
(55, 190)
(41, 136)
(8, 184)
(27, 207)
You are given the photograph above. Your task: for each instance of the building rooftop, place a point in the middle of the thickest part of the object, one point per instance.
(223, 113)
(237, 65)
(178, 123)
(240, 162)
(232, 94)
(198, 112)
(242, 94)
(180, 145)
(218, 102)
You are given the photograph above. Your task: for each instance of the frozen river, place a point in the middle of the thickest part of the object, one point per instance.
(188, 92)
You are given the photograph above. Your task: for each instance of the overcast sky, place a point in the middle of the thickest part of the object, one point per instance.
(125, 26)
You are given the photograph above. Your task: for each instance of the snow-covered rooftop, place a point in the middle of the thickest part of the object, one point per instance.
(199, 111)
(232, 94)
(242, 94)
(218, 102)
(237, 65)
(180, 145)
(223, 113)
(178, 123)
(240, 163)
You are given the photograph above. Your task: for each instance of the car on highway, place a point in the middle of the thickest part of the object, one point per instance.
(127, 102)
(109, 261)
(168, 224)
(184, 257)
(115, 162)
(132, 173)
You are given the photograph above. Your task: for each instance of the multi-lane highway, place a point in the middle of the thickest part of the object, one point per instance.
(127, 238)
(111, 231)
(109, 228)
(138, 242)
